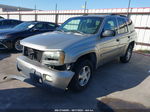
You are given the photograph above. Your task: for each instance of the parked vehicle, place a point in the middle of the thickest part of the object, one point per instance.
(10, 38)
(1, 17)
(68, 57)
(8, 23)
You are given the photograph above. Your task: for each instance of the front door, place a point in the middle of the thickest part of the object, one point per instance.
(108, 46)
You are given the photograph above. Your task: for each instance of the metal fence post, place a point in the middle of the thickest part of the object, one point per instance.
(35, 13)
(56, 18)
(35, 17)
(7, 16)
(20, 17)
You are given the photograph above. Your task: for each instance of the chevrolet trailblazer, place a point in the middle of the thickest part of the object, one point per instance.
(66, 58)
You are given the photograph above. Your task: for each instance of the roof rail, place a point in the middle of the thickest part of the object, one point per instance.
(118, 15)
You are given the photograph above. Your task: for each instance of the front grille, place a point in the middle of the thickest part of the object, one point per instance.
(33, 54)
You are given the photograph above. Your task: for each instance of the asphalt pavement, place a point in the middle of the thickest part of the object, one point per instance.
(107, 79)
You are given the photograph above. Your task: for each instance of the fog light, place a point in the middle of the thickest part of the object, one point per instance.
(48, 78)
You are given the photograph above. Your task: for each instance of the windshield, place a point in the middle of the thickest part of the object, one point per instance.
(85, 25)
(24, 26)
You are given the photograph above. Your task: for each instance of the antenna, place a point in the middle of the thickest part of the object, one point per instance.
(128, 11)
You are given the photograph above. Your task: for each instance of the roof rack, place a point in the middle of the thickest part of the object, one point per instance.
(118, 15)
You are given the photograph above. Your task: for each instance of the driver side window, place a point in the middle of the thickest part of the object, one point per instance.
(110, 24)
(40, 26)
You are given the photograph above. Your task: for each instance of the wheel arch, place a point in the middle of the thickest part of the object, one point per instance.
(132, 43)
(89, 56)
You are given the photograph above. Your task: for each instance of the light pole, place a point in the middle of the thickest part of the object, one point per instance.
(56, 14)
(85, 6)
(56, 8)
(128, 11)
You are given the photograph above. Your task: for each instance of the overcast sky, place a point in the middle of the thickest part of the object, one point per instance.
(75, 4)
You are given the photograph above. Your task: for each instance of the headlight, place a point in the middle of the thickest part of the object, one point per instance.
(53, 58)
(3, 37)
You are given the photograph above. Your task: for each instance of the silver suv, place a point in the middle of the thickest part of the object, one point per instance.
(66, 58)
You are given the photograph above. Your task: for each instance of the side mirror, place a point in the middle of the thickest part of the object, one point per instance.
(108, 33)
(34, 29)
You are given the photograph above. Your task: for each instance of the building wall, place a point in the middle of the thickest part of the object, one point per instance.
(7, 8)
(140, 17)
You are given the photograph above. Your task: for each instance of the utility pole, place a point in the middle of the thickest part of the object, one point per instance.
(128, 11)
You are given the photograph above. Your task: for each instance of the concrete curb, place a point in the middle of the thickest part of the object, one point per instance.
(141, 53)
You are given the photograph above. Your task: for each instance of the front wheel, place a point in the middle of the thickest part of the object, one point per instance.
(18, 46)
(126, 58)
(83, 72)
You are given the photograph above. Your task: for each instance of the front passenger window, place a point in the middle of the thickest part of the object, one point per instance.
(110, 24)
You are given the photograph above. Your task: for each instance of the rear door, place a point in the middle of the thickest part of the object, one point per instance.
(108, 46)
(50, 26)
(123, 34)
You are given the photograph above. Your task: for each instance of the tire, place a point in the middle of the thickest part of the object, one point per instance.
(17, 46)
(83, 72)
(126, 58)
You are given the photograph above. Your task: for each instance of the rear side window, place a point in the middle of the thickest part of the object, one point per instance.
(6, 22)
(13, 22)
(130, 25)
(122, 25)
(50, 26)
(40, 26)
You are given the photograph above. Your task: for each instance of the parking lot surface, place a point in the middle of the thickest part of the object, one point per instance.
(109, 78)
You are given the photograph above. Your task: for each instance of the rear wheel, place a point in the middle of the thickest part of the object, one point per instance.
(18, 46)
(126, 58)
(83, 72)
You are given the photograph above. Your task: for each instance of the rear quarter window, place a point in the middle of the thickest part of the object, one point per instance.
(122, 26)
(51, 26)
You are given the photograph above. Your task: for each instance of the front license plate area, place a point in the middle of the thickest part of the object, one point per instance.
(36, 76)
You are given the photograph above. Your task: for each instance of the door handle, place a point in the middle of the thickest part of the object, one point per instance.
(117, 40)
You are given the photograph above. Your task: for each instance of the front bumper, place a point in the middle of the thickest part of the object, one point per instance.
(6, 44)
(34, 70)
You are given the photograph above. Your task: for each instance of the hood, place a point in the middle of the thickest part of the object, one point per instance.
(52, 40)
(5, 32)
